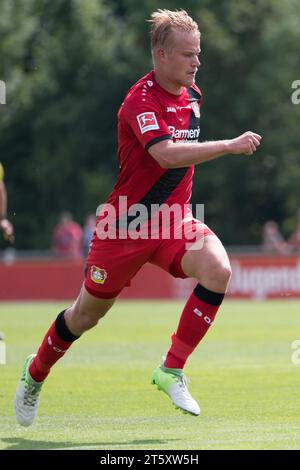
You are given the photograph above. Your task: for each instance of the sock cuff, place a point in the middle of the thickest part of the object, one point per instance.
(180, 349)
(62, 330)
(212, 298)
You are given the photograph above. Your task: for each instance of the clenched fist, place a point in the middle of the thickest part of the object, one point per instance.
(246, 143)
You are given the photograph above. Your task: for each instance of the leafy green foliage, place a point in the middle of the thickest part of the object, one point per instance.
(67, 65)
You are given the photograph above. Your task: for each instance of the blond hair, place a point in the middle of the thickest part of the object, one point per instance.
(164, 22)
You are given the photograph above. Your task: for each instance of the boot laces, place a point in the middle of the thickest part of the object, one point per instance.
(31, 395)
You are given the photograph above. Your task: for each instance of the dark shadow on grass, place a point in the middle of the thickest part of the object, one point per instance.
(14, 443)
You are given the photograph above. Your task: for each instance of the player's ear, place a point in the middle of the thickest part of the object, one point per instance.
(161, 55)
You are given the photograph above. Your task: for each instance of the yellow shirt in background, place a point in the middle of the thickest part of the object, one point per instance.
(1, 173)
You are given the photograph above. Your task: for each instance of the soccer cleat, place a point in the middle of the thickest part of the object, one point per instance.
(27, 395)
(174, 384)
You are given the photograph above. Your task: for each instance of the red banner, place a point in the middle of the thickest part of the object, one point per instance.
(254, 277)
(265, 277)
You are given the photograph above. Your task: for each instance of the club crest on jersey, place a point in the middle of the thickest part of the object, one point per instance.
(195, 108)
(147, 122)
(98, 275)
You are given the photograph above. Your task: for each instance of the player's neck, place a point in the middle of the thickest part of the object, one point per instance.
(168, 85)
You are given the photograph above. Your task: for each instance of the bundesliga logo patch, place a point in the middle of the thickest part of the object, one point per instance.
(98, 275)
(147, 122)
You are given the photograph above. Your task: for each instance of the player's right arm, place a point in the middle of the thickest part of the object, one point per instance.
(3, 200)
(169, 154)
(5, 225)
(142, 111)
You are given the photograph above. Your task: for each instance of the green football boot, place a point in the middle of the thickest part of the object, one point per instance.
(27, 396)
(174, 383)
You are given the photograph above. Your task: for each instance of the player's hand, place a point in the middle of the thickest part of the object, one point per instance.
(8, 230)
(246, 143)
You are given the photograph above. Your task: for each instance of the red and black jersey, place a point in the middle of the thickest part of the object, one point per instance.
(148, 115)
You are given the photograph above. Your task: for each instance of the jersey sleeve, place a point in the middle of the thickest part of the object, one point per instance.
(1, 173)
(143, 113)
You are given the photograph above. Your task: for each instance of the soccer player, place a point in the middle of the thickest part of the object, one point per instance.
(5, 225)
(158, 130)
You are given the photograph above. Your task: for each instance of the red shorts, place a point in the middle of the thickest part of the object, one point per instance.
(112, 263)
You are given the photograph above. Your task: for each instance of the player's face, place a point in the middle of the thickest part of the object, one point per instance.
(182, 59)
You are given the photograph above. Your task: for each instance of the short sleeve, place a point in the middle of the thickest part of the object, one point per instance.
(144, 116)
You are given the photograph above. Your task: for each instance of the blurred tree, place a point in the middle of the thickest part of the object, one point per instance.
(67, 65)
(249, 61)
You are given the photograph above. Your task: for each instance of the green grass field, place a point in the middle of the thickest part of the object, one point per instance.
(99, 396)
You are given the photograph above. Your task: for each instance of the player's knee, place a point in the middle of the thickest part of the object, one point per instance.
(216, 274)
(222, 272)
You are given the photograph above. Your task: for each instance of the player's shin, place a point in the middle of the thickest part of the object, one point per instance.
(197, 316)
(56, 342)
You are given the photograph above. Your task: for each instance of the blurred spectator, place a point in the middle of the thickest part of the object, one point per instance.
(67, 238)
(273, 241)
(88, 231)
(295, 238)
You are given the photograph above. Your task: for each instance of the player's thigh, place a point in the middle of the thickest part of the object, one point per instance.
(187, 234)
(210, 258)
